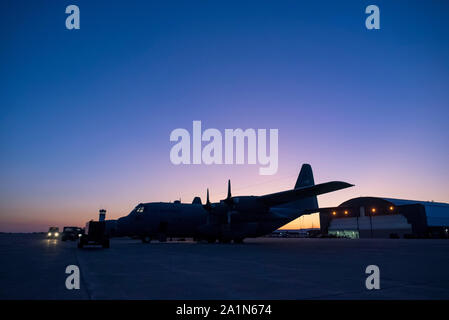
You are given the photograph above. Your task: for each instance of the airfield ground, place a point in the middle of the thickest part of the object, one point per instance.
(265, 268)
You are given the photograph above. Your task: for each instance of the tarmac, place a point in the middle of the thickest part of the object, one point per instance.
(33, 267)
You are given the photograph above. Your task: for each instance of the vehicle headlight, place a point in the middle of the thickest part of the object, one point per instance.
(56, 234)
(79, 235)
(49, 234)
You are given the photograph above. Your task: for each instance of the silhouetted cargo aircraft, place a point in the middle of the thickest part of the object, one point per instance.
(233, 218)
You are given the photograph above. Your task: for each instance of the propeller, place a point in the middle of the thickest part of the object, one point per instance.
(219, 215)
(207, 206)
(229, 201)
(222, 209)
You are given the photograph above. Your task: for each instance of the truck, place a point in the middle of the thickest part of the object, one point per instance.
(53, 233)
(94, 234)
(71, 233)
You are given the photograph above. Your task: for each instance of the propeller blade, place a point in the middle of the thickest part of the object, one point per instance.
(208, 205)
(229, 201)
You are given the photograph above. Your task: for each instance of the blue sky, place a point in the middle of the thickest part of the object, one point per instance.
(86, 114)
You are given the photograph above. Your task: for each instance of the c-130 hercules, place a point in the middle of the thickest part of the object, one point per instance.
(231, 219)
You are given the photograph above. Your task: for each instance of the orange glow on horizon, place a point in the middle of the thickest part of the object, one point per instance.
(70, 202)
(309, 221)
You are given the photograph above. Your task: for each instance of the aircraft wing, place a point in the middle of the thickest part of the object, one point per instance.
(278, 198)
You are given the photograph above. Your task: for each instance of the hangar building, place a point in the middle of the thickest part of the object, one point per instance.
(371, 217)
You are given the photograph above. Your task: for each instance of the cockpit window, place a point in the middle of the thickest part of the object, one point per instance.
(140, 209)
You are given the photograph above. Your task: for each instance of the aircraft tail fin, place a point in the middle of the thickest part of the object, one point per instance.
(305, 179)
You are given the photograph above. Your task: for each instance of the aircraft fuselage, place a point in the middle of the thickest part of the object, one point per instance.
(192, 220)
(233, 218)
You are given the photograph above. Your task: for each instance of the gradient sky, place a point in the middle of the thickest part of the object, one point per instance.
(86, 114)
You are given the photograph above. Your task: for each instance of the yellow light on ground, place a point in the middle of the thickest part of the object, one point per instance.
(334, 213)
(373, 210)
(391, 208)
(346, 211)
